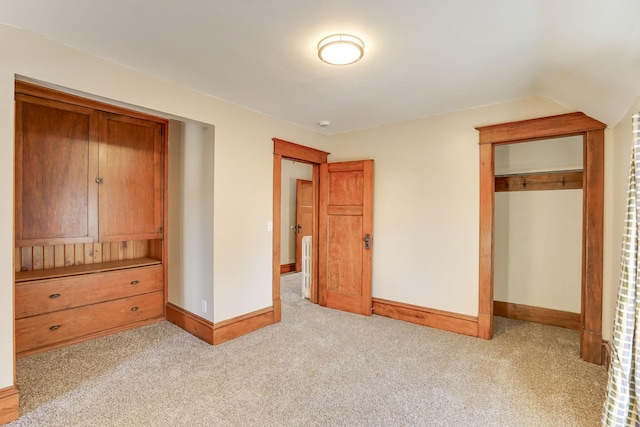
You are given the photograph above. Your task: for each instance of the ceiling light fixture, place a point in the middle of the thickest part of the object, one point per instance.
(340, 49)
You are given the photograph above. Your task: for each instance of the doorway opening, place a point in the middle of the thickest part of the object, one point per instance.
(592, 132)
(288, 150)
(297, 213)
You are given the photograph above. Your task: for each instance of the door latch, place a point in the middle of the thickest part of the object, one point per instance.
(367, 242)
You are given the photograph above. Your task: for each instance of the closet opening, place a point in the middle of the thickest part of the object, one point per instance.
(538, 231)
(591, 132)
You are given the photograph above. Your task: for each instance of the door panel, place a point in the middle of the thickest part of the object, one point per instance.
(130, 194)
(346, 217)
(58, 204)
(344, 255)
(304, 216)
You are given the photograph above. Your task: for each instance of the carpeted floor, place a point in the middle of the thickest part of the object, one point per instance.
(318, 367)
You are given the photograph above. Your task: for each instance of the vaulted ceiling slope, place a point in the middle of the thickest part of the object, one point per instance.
(423, 57)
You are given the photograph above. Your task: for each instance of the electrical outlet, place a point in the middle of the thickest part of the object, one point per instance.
(204, 305)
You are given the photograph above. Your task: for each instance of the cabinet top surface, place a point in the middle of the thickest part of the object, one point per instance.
(52, 273)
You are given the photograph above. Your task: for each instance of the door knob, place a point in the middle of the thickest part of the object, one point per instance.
(367, 242)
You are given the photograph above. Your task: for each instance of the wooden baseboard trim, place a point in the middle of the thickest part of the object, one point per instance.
(242, 325)
(287, 268)
(9, 404)
(606, 354)
(192, 323)
(545, 316)
(444, 320)
(591, 347)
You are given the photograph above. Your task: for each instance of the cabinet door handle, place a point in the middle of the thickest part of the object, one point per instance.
(134, 308)
(99, 181)
(135, 282)
(53, 296)
(54, 327)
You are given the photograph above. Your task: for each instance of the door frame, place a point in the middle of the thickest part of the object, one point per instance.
(288, 150)
(298, 235)
(558, 126)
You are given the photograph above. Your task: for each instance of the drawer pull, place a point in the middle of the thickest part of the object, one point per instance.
(53, 296)
(135, 282)
(134, 308)
(54, 327)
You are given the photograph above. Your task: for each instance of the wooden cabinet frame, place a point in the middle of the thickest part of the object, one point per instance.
(592, 220)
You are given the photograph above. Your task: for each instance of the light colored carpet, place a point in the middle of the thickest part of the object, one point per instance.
(318, 367)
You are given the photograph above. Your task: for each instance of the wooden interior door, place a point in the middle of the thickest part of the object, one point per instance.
(346, 236)
(304, 216)
(130, 169)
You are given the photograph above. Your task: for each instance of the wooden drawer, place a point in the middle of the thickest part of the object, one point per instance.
(46, 296)
(46, 329)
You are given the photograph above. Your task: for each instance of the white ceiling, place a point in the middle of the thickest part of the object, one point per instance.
(422, 57)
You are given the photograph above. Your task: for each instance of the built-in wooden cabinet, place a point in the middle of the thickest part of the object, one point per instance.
(90, 188)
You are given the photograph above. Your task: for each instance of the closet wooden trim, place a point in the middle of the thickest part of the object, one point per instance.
(541, 128)
(560, 180)
(546, 316)
(606, 354)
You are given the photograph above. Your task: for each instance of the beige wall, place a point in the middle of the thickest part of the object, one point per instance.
(618, 157)
(191, 234)
(291, 171)
(538, 234)
(538, 248)
(243, 159)
(426, 202)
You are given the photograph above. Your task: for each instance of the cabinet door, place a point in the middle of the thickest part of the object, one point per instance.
(56, 167)
(130, 170)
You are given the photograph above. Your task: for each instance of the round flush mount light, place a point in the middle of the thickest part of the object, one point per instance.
(340, 49)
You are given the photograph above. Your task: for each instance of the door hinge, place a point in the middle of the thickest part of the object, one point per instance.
(161, 131)
(161, 230)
